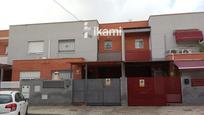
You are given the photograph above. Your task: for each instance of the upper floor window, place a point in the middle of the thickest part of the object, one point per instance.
(35, 46)
(107, 44)
(67, 45)
(139, 43)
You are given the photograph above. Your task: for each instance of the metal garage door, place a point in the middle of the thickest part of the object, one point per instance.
(97, 91)
(154, 90)
(144, 91)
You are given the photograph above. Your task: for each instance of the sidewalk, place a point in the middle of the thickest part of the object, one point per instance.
(116, 110)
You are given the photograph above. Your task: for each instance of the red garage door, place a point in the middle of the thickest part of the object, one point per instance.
(144, 91)
(154, 91)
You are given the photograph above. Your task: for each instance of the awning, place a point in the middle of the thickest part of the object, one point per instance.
(186, 65)
(188, 35)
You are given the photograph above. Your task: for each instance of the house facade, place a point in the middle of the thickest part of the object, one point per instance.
(179, 37)
(5, 69)
(45, 44)
(153, 62)
(4, 34)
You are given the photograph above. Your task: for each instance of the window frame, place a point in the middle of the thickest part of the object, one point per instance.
(138, 40)
(60, 71)
(8, 96)
(64, 51)
(37, 71)
(104, 46)
(40, 52)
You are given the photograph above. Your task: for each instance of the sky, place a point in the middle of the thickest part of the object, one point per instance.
(14, 12)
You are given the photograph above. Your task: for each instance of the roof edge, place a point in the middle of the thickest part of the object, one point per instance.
(53, 23)
(169, 14)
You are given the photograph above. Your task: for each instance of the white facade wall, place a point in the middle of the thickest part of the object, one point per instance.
(51, 33)
(163, 26)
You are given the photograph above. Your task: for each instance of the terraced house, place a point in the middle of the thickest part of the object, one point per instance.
(5, 68)
(153, 62)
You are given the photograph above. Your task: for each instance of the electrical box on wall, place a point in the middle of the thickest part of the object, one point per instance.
(26, 91)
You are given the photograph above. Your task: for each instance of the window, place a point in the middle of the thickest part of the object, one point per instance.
(30, 75)
(66, 45)
(139, 43)
(85, 34)
(35, 47)
(5, 98)
(107, 45)
(64, 75)
(19, 97)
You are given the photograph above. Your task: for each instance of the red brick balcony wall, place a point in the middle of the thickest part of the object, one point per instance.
(198, 56)
(142, 55)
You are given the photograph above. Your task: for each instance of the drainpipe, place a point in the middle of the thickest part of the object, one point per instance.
(123, 82)
(49, 46)
(86, 84)
(123, 46)
(165, 47)
(1, 77)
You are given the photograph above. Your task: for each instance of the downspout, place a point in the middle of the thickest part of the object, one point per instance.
(49, 51)
(86, 83)
(1, 77)
(123, 46)
(165, 47)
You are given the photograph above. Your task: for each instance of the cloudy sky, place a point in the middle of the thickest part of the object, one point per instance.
(39, 11)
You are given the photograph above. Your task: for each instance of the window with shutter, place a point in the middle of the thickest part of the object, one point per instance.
(30, 75)
(66, 45)
(35, 47)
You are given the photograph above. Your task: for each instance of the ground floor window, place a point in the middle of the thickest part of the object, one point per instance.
(62, 74)
(30, 75)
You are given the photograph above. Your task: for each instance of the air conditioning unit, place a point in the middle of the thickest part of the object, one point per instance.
(186, 51)
(172, 51)
(179, 51)
(43, 57)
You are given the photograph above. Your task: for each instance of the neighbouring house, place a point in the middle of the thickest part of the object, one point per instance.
(179, 38)
(5, 72)
(51, 46)
(4, 34)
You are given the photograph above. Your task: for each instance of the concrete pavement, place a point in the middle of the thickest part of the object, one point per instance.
(116, 110)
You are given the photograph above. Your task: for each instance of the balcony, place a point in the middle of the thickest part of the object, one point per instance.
(138, 55)
(193, 56)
